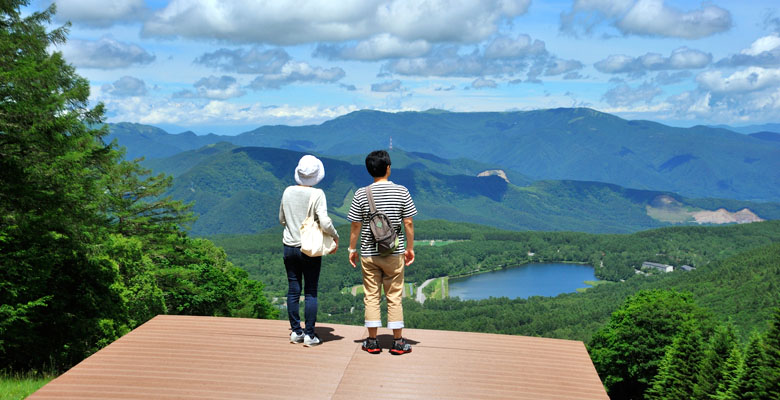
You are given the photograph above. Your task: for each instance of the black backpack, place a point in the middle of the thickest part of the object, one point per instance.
(385, 236)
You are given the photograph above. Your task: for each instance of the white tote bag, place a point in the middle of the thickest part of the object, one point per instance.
(314, 242)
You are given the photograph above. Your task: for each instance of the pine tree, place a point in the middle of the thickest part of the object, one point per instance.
(732, 370)
(714, 363)
(751, 382)
(676, 374)
(627, 352)
(58, 298)
(772, 342)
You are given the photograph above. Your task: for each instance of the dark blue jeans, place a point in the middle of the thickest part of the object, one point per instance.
(301, 267)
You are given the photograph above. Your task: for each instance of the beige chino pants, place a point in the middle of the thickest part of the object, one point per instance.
(387, 272)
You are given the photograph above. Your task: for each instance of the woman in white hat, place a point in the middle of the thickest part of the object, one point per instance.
(300, 267)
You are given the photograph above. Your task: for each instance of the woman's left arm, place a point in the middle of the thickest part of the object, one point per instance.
(322, 214)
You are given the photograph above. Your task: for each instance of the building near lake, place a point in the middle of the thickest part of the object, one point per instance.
(687, 268)
(658, 266)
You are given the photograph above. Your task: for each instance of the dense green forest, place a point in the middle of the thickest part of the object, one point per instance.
(89, 247)
(237, 189)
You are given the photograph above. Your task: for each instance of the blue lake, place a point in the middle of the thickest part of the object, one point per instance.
(525, 281)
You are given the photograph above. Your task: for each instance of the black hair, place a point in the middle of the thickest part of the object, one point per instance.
(377, 162)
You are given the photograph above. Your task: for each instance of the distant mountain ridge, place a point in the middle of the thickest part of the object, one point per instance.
(238, 189)
(567, 143)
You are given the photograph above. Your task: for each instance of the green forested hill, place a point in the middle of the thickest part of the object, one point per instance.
(737, 275)
(578, 144)
(237, 190)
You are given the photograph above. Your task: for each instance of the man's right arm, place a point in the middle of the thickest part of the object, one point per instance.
(354, 234)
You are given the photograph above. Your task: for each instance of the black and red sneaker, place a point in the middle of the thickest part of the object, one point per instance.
(371, 345)
(400, 347)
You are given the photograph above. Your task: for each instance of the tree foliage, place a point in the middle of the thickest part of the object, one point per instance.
(88, 247)
(628, 351)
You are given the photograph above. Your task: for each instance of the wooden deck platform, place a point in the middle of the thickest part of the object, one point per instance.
(184, 357)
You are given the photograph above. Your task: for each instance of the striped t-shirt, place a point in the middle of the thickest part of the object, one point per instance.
(393, 200)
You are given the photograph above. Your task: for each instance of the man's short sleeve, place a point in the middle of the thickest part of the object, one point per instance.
(409, 209)
(355, 213)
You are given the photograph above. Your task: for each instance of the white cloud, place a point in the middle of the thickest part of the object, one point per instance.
(728, 107)
(617, 63)
(480, 83)
(105, 53)
(217, 112)
(557, 67)
(747, 80)
(389, 86)
(126, 86)
(765, 52)
(378, 47)
(274, 67)
(502, 56)
(625, 95)
(763, 44)
(646, 18)
(748, 95)
(100, 13)
(286, 22)
(514, 47)
(252, 61)
(214, 87)
(681, 58)
(295, 71)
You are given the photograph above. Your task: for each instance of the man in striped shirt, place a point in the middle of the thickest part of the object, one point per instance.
(382, 271)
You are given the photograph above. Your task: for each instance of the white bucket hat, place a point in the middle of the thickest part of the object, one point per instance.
(309, 171)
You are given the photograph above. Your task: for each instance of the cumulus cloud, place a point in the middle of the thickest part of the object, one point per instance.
(389, 86)
(287, 22)
(764, 52)
(214, 87)
(502, 56)
(681, 58)
(275, 68)
(350, 88)
(294, 71)
(625, 95)
(480, 83)
(126, 86)
(514, 47)
(646, 18)
(217, 112)
(558, 67)
(252, 61)
(379, 47)
(105, 53)
(728, 107)
(747, 80)
(100, 13)
(666, 78)
(746, 95)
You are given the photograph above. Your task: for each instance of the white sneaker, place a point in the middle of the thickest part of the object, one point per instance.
(296, 338)
(310, 341)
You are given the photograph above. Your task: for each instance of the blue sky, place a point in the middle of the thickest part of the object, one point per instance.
(230, 66)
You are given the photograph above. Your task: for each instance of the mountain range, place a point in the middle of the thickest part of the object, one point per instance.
(238, 189)
(569, 143)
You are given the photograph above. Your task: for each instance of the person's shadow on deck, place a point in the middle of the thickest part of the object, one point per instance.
(326, 334)
(386, 341)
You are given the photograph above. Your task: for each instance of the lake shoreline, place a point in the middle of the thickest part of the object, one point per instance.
(548, 279)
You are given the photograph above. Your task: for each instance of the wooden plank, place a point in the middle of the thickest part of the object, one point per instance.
(188, 357)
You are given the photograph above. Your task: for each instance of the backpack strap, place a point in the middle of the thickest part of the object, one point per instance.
(371, 205)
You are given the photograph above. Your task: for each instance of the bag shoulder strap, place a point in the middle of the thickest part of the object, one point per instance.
(371, 205)
(310, 209)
